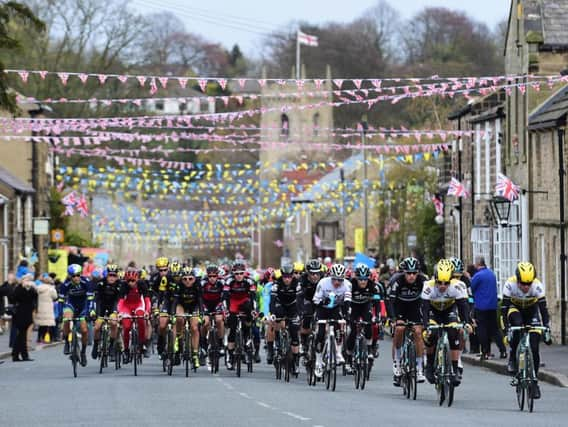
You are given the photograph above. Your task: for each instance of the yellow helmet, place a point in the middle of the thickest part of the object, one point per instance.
(443, 271)
(162, 262)
(121, 274)
(525, 272)
(175, 268)
(143, 274)
(298, 267)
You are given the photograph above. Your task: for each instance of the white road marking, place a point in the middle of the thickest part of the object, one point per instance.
(298, 417)
(265, 405)
(246, 396)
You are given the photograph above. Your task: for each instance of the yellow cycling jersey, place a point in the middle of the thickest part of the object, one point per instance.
(522, 299)
(442, 301)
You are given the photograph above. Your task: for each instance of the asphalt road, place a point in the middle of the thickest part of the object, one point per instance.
(44, 393)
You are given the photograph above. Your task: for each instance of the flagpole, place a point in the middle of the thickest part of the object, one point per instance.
(298, 54)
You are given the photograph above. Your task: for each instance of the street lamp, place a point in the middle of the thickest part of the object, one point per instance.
(502, 208)
(364, 128)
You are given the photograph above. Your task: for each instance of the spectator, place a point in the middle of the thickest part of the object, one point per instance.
(6, 291)
(45, 318)
(25, 303)
(89, 267)
(484, 289)
(23, 269)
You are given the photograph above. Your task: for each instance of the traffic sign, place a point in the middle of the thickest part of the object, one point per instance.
(57, 235)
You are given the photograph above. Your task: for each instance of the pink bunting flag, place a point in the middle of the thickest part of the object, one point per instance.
(338, 83)
(24, 75)
(123, 79)
(63, 77)
(202, 84)
(182, 82)
(83, 77)
(222, 83)
(102, 78)
(262, 82)
(141, 80)
(153, 86)
(357, 83)
(43, 74)
(163, 81)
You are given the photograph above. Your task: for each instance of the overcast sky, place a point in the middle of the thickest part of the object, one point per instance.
(245, 21)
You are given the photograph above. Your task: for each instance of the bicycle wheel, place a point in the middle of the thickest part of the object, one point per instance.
(213, 352)
(356, 365)
(118, 350)
(531, 380)
(364, 363)
(333, 370)
(134, 349)
(309, 360)
(404, 371)
(327, 366)
(440, 374)
(239, 352)
(74, 351)
(186, 351)
(170, 340)
(412, 371)
(520, 389)
(448, 378)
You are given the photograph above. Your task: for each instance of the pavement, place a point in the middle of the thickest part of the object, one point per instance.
(6, 351)
(554, 357)
(44, 393)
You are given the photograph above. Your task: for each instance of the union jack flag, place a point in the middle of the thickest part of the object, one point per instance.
(506, 188)
(82, 206)
(457, 189)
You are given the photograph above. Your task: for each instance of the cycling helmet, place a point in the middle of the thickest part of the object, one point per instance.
(458, 265)
(443, 271)
(131, 275)
(143, 274)
(267, 277)
(313, 266)
(362, 271)
(525, 272)
(212, 270)
(112, 268)
(337, 271)
(298, 267)
(239, 267)
(287, 269)
(410, 265)
(175, 268)
(120, 273)
(162, 262)
(74, 269)
(187, 271)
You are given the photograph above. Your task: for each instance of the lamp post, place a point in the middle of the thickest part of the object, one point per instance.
(501, 208)
(364, 128)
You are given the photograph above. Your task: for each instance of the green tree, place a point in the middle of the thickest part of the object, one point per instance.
(11, 12)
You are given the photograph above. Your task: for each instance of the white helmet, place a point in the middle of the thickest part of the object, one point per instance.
(337, 271)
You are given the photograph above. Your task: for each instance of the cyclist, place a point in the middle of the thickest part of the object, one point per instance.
(523, 302)
(332, 298)
(298, 269)
(76, 296)
(444, 302)
(107, 292)
(365, 295)
(405, 306)
(162, 286)
(283, 304)
(187, 300)
(308, 283)
(212, 305)
(134, 300)
(239, 295)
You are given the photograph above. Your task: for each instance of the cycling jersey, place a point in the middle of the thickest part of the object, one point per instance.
(400, 289)
(237, 293)
(77, 297)
(189, 297)
(330, 295)
(106, 297)
(369, 294)
(441, 306)
(522, 299)
(284, 294)
(211, 294)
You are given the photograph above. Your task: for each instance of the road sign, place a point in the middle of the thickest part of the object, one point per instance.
(57, 235)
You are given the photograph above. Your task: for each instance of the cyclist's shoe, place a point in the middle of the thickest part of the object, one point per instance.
(375, 351)
(146, 351)
(83, 358)
(66, 350)
(196, 361)
(396, 380)
(349, 369)
(256, 357)
(420, 376)
(429, 374)
(126, 357)
(511, 367)
(95, 350)
(221, 351)
(111, 356)
(535, 391)
(340, 359)
(396, 369)
(503, 355)
(514, 381)
(269, 355)
(230, 365)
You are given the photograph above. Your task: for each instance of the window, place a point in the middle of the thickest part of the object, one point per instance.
(159, 105)
(487, 168)
(284, 126)
(28, 214)
(18, 214)
(507, 246)
(480, 242)
(298, 222)
(477, 161)
(316, 121)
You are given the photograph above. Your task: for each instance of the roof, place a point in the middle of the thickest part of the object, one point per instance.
(14, 182)
(548, 18)
(552, 113)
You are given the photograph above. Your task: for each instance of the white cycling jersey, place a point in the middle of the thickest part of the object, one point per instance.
(338, 295)
(443, 300)
(522, 299)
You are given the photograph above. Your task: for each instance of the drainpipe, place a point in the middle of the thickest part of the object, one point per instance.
(561, 135)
